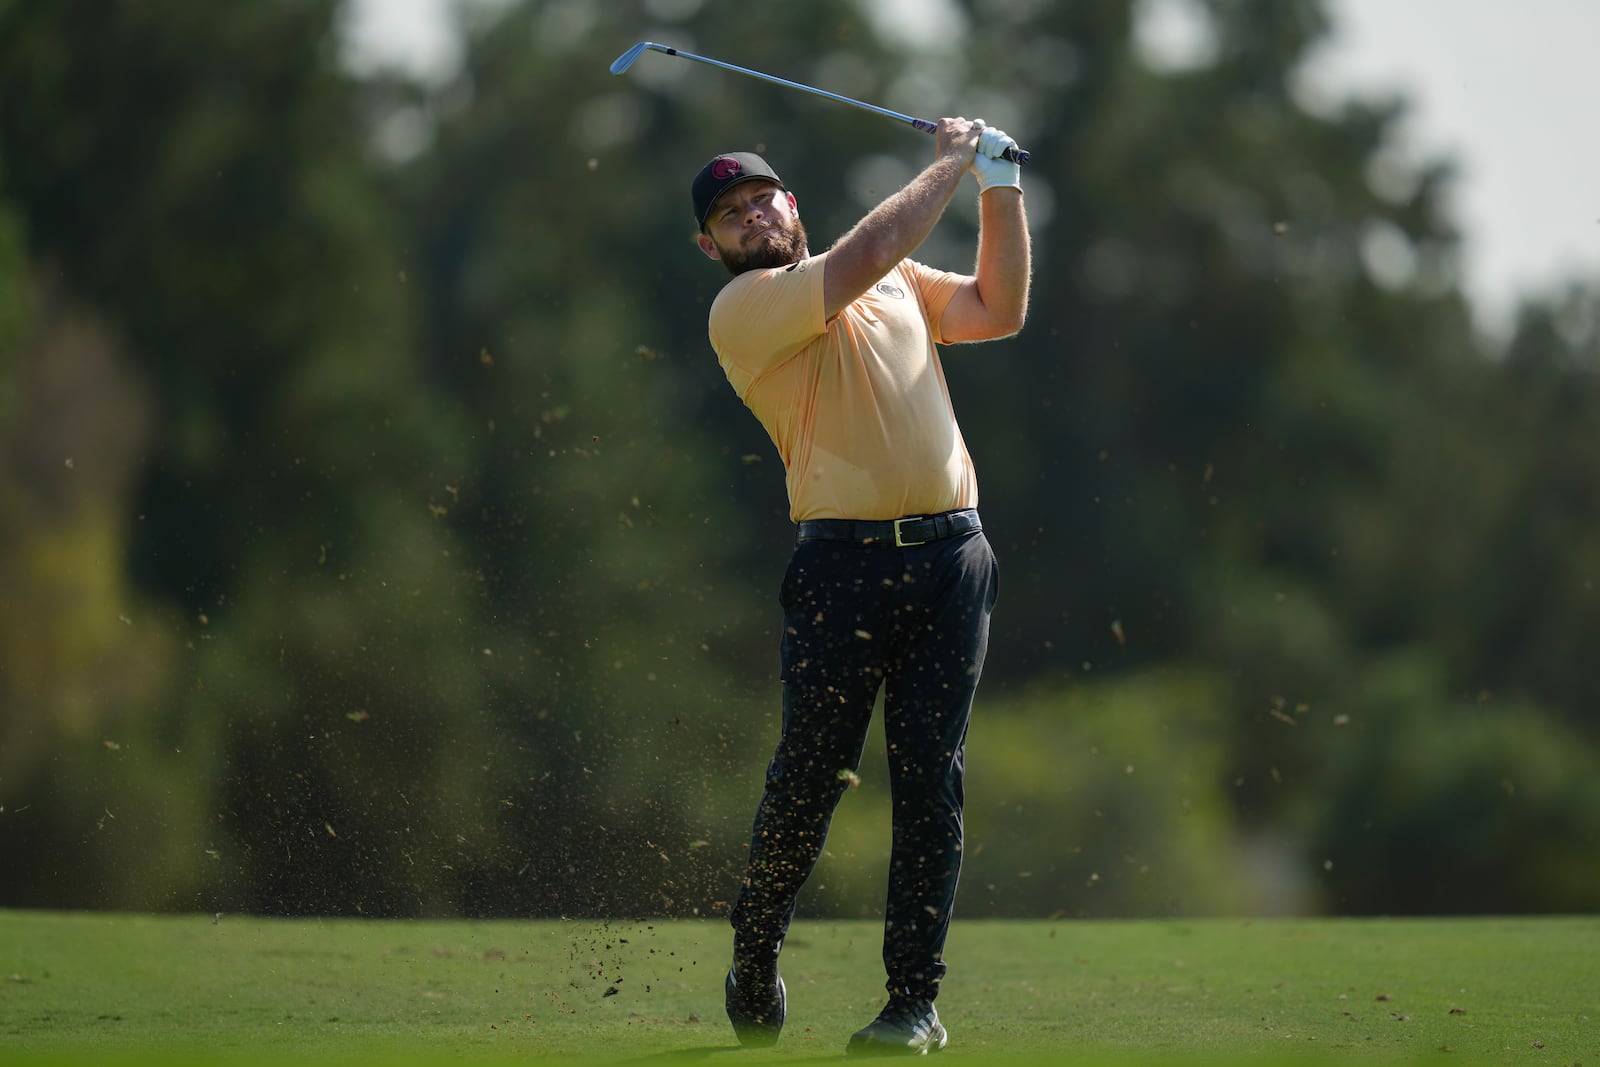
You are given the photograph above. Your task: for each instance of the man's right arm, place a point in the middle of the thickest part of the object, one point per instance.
(763, 317)
(892, 231)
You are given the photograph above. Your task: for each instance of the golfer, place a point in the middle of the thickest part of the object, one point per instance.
(892, 581)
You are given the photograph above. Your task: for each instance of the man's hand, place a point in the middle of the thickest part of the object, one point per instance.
(994, 172)
(957, 138)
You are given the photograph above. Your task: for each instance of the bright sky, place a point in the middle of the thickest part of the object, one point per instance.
(1505, 89)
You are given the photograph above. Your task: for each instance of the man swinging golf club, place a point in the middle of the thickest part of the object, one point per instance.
(891, 582)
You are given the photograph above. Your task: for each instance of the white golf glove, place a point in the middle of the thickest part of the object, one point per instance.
(992, 171)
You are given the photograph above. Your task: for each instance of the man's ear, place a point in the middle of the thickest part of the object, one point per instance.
(708, 246)
(794, 205)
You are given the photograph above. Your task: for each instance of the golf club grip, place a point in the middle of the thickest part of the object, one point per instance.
(1015, 154)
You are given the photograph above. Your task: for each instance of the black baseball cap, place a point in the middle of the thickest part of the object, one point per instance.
(724, 172)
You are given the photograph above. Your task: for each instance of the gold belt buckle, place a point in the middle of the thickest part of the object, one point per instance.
(899, 538)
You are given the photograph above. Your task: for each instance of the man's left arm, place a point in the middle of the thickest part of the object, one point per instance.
(994, 302)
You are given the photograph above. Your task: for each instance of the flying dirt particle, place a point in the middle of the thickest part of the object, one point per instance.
(1280, 228)
(1341, 720)
(112, 746)
(70, 464)
(849, 777)
(1116, 631)
(359, 715)
(593, 164)
(611, 991)
(864, 635)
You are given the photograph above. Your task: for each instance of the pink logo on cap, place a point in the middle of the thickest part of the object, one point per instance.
(725, 168)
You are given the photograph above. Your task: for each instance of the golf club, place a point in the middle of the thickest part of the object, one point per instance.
(625, 60)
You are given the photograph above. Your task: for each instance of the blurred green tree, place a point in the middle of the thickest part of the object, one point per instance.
(246, 382)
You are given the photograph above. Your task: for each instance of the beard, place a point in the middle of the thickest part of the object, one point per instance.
(773, 248)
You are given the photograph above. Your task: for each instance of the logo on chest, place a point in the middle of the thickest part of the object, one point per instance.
(891, 290)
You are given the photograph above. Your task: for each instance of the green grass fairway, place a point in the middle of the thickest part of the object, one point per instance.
(121, 989)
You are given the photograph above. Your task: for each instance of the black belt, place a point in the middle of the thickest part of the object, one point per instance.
(912, 530)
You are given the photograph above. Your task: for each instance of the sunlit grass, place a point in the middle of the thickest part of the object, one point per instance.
(116, 989)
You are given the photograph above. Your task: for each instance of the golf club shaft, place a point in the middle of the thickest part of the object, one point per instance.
(624, 61)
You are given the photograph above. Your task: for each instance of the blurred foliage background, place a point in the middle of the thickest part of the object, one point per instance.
(379, 536)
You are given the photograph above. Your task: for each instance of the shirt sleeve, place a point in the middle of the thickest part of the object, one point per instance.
(763, 317)
(936, 289)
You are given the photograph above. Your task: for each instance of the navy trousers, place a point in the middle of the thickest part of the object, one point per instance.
(860, 616)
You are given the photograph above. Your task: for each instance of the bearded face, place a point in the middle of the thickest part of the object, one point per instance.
(779, 245)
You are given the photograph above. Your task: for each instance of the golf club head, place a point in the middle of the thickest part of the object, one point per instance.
(625, 60)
